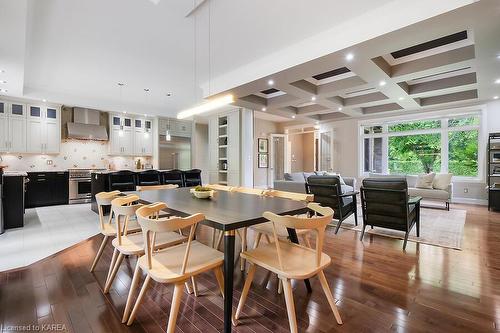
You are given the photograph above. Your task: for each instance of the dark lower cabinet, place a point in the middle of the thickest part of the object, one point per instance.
(47, 189)
(13, 201)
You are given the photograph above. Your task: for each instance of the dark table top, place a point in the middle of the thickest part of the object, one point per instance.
(228, 210)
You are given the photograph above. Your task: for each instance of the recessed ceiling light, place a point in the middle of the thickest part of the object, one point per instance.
(382, 83)
(498, 57)
(146, 90)
(293, 117)
(497, 81)
(44, 100)
(124, 112)
(2, 71)
(3, 81)
(270, 82)
(316, 127)
(401, 98)
(339, 108)
(313, 98)
(263, 109)
(169, 94)
(495, 97)
(349, 56)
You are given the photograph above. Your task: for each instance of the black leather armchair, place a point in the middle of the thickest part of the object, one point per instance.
(122, 180)
(385, 203)
(148, 178)
(192, 177)
(328, 191)
(174, 177)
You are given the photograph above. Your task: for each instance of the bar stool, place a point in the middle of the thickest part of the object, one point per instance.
(174, 265)
(148, 178)
(107, 228)
(192, 177)
(122, 180)
(126, 244)
(173, 177)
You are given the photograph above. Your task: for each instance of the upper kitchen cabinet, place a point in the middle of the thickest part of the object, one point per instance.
(175, 127)
(43, 129)
(143, 137)
(13, 127)
(122, 135)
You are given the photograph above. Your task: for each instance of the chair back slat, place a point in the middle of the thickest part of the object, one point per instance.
(291, 195)
(220, 187)
(317, 223)
(104, 199)
(249, 190)
(148, 217)
(124, 206)
(156, 187)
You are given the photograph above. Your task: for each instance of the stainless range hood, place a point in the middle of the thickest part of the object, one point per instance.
(86, 125)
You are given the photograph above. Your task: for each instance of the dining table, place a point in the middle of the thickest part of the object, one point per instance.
(227, 212)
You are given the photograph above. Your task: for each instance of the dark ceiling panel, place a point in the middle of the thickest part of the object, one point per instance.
(430, 44)
(335, 72)
(269, 91)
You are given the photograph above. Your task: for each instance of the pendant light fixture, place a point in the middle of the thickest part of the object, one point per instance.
(146, 130)
(168, 137)
(214, 103)
(120, 131)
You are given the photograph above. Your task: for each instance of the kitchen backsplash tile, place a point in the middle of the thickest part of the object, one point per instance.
(74, 154)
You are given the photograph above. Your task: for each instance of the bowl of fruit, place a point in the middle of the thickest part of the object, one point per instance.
(201, 192)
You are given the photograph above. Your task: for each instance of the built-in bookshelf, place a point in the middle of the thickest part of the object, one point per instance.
(494, 171)
(223, 146)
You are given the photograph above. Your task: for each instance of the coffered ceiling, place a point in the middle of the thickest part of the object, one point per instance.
(449, 60)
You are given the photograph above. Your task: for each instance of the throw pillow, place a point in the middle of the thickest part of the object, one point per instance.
(425, 180)
(442, 181)
(342, 182)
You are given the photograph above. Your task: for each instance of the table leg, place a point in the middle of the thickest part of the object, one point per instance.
(292, 234)
(228, 278)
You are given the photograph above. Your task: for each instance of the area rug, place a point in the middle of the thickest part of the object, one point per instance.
(437, 227)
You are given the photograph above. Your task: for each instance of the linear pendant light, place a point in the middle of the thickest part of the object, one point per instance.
(206, 107)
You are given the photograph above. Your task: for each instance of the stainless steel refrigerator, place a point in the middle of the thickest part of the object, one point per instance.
(175, 154)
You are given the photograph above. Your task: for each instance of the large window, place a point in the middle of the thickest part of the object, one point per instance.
(420, 146)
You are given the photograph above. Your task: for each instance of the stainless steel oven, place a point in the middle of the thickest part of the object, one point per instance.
(79, 186)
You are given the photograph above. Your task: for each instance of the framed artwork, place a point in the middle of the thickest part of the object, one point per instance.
(263, 145)
(263, 161)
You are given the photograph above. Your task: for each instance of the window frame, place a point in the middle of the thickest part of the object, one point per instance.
(443, 116)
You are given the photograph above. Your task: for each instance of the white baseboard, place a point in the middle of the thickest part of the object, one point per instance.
(470, 201)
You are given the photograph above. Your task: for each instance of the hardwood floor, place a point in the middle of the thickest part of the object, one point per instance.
(379, 288)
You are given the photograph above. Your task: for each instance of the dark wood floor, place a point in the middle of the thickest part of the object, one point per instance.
(379, 288)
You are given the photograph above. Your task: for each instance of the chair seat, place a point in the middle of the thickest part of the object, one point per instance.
(167, 263)
(134, 244)
(110, 229)
(281, 231)
(299, 262)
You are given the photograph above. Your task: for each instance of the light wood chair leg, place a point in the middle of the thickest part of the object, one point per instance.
(329, 296)
(268, 240)
(112, 264)
(219, 240)
(214, 232)
(99, 253)
(244, 292)
(133, 287)
(280, 286)
(306, 240)
(220, 279)
(195, 287)
(257, 240)
(290, 305)
(113, 273)
(139, 300)
(174, 308)
(243, 248)
(188, 287)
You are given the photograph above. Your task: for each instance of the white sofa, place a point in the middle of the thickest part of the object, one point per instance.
(426, 194)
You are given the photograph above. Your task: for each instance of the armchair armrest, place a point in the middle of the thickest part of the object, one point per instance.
(351, 181)
(414, 200)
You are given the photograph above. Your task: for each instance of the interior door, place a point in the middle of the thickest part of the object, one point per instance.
(277, 157)
(326, 151)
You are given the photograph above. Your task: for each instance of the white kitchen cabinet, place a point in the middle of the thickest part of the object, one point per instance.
(143, 137)
(12, 127)
(43, 130)
(122, 135)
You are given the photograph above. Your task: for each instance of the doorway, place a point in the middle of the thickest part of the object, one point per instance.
(277, 154)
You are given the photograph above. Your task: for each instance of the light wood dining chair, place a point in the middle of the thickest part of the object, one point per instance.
(292, 261)
(219, 187)
(108, 228)
(176, 264)
(156, 187)
(266, 229)
(126, 244)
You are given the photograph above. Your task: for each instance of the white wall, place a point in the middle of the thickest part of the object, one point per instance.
(200, 150)
(346, 152)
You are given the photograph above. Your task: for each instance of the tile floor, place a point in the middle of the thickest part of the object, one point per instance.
(46, 231)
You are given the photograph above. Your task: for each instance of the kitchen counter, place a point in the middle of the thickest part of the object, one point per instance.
(15, 174)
